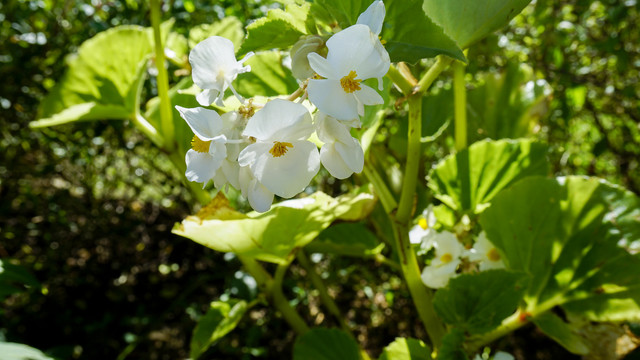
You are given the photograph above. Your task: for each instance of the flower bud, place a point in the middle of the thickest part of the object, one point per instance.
(299, 63)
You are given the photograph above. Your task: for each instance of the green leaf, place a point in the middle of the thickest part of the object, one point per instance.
(410, 35)
(220, 319)
(268, 77)
(278, 30)
(325, 344)
(348, 239)
(406, 349)
(468, 180)
(562, 333)
(477, 303)
(565, 234)
(229, 27)
(345, 13)
(467, 21)
(273, 235)
(14, 278)
(452, 346)
(105, 76)
(14, 351)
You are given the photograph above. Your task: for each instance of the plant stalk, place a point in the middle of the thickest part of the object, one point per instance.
(460, 105)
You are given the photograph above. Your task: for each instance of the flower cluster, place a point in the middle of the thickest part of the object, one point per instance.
(449, 252)
(264, 150)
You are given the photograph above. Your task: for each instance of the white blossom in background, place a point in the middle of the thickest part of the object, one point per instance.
(214, 67)
(341, 154)
(423, 232)
(500, 355)
(373, 17)
(355, 54)
(281, 158)
(208, 148)
(444, 264)
(485, 253)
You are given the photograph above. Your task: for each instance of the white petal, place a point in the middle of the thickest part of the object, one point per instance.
(213, 62)
(333, 162)
(375, 64)
(329, 129)
(280, 120)
(368, 96)
(207, 97)
(329, 97)
(251, 153)
(205, 123)
(447, 243)
(349, 48)
(260, 198)
(416, 234)
(290, 173)
(201, 167)
(437, 275)
(373, 17)
(322, 67)
(352, 154)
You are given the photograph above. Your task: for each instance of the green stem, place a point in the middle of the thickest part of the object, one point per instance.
(410, 177)
(166, 121)
(432, 74)
(399, 80)
(326, 299)
(273, 289)
(460, 103)
(388, 201)
(147, 129)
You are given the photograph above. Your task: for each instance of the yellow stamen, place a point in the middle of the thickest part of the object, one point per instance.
(279, 148)
(382, 41)
(446, 258)
(350, 83)
(493, 255)
(200, 145)
(423, 223)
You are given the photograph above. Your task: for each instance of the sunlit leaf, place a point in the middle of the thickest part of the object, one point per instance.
(230, 27)
(406, 349)
(349, 239)
(220, 319)
(14, 351)
(554, 327)
(278, 30)
(325, 344)
(268, 76)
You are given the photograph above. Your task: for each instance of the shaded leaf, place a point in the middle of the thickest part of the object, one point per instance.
(14, 278)
(349, 239)
(325, 344)
(220, 319)
(452, 348)
(562, 333)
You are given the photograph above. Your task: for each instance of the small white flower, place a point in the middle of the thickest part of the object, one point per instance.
(443, 266)
(215, 67)
(423, 232)
(486, 254)
(260, 198)
(373, 17)
(281, 159)
(355, 54)
(341, 154)
(208, 148)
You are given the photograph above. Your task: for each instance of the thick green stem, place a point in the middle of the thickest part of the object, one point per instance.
(460, 105)
(386, 197)
(147, 129)
(326, 299)
(400, 80)
(166, 121)
(273, 289)
(410, 178)
(432, 74)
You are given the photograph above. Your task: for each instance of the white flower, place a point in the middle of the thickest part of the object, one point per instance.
(214, 67)
(373, 17)
(341, 154)
(355, 54)
(443, 266)
(486, 253)
(232, 126)
(260, 198)
(281, 159)
(423, 232)
(208, 148)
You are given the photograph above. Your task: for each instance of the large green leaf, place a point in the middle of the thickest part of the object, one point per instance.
(229, 27)
(325, 344)
(220, 319)
(14, 351)
(273, 235)
(468, 180)
(411, 35)
(278, 30)
(477, 303)
(467, 21)
(566, 234)
(268, 76)
(554, 327)
(14, 278)
(103, 79)
(452, 346)
(406, 349)
(345, 13)
(349, 239)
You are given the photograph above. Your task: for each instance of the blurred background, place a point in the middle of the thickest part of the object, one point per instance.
(86, 209)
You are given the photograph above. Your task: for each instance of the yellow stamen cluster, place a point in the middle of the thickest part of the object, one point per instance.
(200, 145)
(423, 223)
(493, 255)
(446, 258)
(279, 148)
(247, 111)
(350, 83)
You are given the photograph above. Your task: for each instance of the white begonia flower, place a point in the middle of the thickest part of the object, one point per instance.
(260, 198)
(355, 54)
(341, 154)
(214, 67)
(208, 145)
(281, 159)
(485, 253)
(423, 232)
(443, 266)
(373, 17)
(232, 125)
